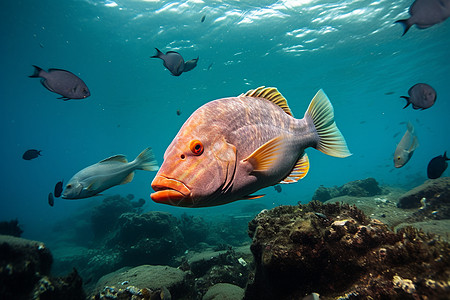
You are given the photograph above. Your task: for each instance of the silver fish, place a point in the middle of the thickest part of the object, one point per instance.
(62, 82)
(406, 147)
(107, 173)
(426, 13)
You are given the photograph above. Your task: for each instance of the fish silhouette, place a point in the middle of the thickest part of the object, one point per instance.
(174, 62)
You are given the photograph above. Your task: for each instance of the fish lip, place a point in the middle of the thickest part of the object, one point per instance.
(169, 190)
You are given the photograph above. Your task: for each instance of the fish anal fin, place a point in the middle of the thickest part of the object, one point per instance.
(128, 179)
(299, 171)
(263, 158)
(271, 94)
(119, 158)
(252, 197)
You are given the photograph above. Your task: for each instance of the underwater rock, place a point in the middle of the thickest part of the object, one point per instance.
(11, 228)
(224, 291)
(210, 267)
(358, 188)
(153, 278)
(25, 272)
(194, 229)
(152, 237)
(434, 191)
(104, 216)
(335, 250)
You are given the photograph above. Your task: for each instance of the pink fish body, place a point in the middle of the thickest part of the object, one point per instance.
(230, 148)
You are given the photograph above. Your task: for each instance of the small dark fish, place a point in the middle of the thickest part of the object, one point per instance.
(58, 189)
(62, 82)
(41, 45)
(362, 122)
(178, 112)
(421, 96)
(51, 200)
(426, 13)
(437, 166)
(31, 154)
(210, 66)
(277, 188)
(174, 62)
(389, 93)
(190, 64)
(203, 19)
(396, 134)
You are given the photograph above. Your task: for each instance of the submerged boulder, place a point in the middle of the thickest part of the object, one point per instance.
(358, 188)
(335, 250)
(25, 272)
(432, 192)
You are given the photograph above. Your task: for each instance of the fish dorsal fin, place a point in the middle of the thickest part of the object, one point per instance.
(128, 179)
(120, 158)
(265, 156)
(299, 171)
(271, 94)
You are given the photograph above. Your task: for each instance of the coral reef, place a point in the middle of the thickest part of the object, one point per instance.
(11, 228)
(335, 250)
(105, 215)
(359, 188)
(25, 273)
(148, 238)
(436, 193)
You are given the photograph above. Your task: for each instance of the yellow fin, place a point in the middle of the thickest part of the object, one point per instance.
(271, 94)
(299, 171)
(265, 156)
(331, 140)
(129, 178)
(252, 197)
(119, 158)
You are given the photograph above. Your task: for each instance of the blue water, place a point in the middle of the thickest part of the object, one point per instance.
(351, 49)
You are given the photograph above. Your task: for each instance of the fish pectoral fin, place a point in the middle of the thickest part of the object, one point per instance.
(45, 84)
(93, 186)
(299, 171)
(263, 158)
(414, 144)
(128, 179)
(252, 197)
(119, 158)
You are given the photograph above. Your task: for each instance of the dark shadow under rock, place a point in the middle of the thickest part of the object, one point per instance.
(336, 250)
(11, 228)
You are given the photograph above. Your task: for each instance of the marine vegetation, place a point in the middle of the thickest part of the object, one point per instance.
(335, 250)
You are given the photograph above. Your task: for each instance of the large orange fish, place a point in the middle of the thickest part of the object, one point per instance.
(230, 148)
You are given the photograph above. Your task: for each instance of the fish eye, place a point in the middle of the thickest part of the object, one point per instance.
(68, 186)
(196, 147)
(398, 157)
(183, 156)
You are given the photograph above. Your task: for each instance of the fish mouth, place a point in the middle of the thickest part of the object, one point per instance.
(169, 191)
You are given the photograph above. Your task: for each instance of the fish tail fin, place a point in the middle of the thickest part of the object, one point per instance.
(158, 54)
(406, 25)
(146, 161)
(407, 101)
(331, 141)
(36, 73)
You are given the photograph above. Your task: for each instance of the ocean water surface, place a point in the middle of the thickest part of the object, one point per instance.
(351, 49)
